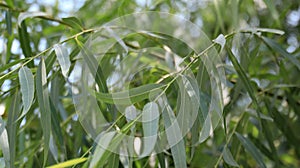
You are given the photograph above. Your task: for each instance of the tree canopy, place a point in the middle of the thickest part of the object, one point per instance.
(149, 83)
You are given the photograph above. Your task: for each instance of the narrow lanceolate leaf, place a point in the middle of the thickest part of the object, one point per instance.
(251, 148)
(278, 48)
(108, 143)
(102, 147)
(188, 103)
(245, 79)
(9, 65)
(94, 67)
(272, 7)
(206, 129)
(150, 118)
(130, 96)
(63, 59)
(12, 125)
(228, 158)
(4, 143)
(117, 38)
(73, 22)
(69, 163)
(113, 161)
(27, 88)
(174, 136)
(43, 99)
(25, 42)
(25, 15)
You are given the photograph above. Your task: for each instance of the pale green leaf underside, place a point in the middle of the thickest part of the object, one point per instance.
(174, 137)
(44, 105)
(25, 15)
(4, 143)
(27, 88)
(63, 58)
(150, 118)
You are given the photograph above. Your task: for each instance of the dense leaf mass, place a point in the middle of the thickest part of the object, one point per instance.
(149, 83)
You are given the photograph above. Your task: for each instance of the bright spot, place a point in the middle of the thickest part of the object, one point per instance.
(137, 145)
(2, 109)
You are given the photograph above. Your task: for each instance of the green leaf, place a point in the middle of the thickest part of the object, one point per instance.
(55, 124)
(49, 61)
(102, 146)
(25, 15)
(247, 84)
(9, 65)
(8, 19)
(4, 143)
(43, 99)
(130, 96)
(12, 125)
(113, 161)
(27, 88)
(228, 158)
(94, 67)
(74, 23)
(250, 147)
(117, 38)
(108, 143)
(68, 163)
(271, 5)
(278, 48)
(206, 129)
(161, 160)
(245, 80)
(63, 59)
(188, 103)
(150, 118)
(25, 42)
(174, 136)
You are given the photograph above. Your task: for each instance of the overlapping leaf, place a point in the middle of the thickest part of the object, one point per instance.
(63, 59)
(251, 149)
(150, 118)
(27, 88)
(44, 105)
(130, 96)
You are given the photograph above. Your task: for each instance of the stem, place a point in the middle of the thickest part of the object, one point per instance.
(45, 51)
